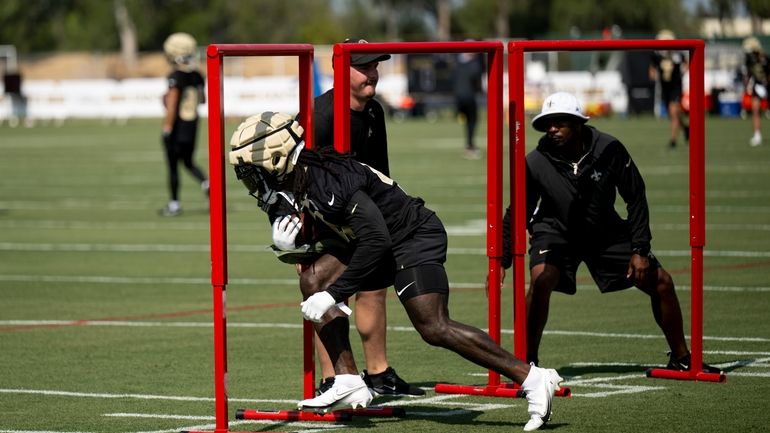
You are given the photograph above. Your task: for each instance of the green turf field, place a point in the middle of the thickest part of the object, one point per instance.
(105, 307)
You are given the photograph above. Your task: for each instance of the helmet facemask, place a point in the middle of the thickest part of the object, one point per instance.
(266, 189)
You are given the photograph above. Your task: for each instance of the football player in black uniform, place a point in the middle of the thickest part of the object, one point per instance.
(368, 144)
(756, 79)
(180, 124)
(572, 179)
(667, 67)
(393, 238)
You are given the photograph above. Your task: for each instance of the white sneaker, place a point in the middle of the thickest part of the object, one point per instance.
(540, 386)
(348, 390)
(756, 140)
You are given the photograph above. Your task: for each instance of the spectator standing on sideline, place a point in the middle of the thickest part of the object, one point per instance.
(667, 68)
(466, 84)
(572, 178)
(756, 73)
(180, 124)
(369, 145)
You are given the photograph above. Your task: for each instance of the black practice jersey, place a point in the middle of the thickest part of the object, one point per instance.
(670, 65)
(368, 138)
(756, 66)
(577, 200)
(191, 94)
(364, 207)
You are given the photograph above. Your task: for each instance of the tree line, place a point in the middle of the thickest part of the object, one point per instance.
(34, 26)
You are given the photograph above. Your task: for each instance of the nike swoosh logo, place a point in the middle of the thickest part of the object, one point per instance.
(399, 292)
(543, 251)
(339, 392)
(331, 202)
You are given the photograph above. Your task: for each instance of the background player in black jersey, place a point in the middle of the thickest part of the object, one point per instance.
(180, 124)
(396, 238)
(756, 80)
(368, 144)
(572, 179)
(466, 84)
(667, 68)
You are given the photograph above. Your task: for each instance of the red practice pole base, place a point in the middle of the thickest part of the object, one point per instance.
(663, 373)
(227, 431)
(335, 416)
(509, 390)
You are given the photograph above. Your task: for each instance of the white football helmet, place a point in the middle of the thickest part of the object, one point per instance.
(265, 148)
(271, 141)
(181, 50)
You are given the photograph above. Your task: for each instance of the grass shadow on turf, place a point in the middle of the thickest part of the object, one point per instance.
(572, 371)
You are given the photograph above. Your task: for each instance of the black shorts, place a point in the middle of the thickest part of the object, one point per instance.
(608, 265)
(420, 261)
(670, 93)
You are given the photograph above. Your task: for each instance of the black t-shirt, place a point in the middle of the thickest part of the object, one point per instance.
(368, 137)
(191, 94)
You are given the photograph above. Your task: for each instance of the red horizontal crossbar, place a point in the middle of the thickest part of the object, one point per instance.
(334, 416)
(663, 373)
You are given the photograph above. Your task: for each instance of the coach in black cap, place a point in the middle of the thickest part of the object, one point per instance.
(363, 59)
(368, 144)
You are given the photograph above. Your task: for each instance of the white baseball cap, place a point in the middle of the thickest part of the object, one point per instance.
(558, 104)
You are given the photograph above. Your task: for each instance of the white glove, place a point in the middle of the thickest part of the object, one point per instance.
(285, 231)
(318, 304)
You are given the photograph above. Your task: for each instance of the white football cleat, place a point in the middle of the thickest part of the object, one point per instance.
(349, 390)
(540, 386)
(756, 139)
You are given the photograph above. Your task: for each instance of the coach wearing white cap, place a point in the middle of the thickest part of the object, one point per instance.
(572, 179)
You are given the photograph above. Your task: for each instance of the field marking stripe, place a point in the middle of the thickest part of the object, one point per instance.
(196, 248)
(97, 279)
(159, 415)
(40, 431)
(126, 323)
(131, 319)
(471, 227)
(134, 396)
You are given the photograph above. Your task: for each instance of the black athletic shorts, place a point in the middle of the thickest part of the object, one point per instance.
(670, 93)
(420, 261)
(608, 264)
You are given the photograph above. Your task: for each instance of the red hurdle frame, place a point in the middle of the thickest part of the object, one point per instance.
(218, 226)
(516, 73)
(217, 219)
(494, 51)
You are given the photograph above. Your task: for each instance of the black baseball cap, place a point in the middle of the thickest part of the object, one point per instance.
(365, 58)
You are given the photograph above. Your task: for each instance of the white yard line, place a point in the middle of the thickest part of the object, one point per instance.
(177, 324)
(103, 279)
(195, 248)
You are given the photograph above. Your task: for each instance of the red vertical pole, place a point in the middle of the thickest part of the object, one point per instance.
(341, 63)
(494, 194)
(518, 196)
(697, 203)
(218, 227)
(306, 108)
